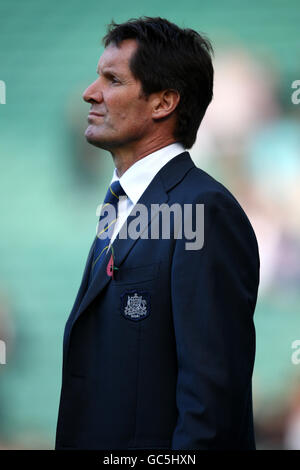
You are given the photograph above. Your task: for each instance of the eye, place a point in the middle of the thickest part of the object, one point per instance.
(114, 80)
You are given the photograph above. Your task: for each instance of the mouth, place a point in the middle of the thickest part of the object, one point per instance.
(93, 113)
(94, 116)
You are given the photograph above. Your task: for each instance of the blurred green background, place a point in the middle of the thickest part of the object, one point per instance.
(52, 181)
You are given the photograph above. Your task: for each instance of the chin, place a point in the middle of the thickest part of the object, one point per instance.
(91, 136)
(93, 139)
(90, 133)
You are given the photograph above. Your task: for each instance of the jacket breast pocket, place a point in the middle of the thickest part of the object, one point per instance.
(136, 275)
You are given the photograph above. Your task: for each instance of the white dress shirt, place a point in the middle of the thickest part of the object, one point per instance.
(137, 178)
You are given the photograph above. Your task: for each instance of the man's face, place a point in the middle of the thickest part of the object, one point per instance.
(120, 115)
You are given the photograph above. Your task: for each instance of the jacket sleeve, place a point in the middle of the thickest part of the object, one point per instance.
(214, 291)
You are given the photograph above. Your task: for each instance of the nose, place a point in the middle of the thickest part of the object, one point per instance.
(93, 94)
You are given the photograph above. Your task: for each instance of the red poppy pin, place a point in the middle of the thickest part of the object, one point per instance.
(110, 267)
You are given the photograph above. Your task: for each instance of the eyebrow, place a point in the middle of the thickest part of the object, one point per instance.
(109, 71)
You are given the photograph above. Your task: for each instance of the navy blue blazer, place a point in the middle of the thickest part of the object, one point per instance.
(161, 356)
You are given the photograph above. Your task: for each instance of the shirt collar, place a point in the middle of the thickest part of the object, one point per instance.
(138, 177)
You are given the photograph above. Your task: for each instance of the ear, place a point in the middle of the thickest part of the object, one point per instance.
(164, 103)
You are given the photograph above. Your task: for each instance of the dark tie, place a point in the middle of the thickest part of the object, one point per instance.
(105, 227)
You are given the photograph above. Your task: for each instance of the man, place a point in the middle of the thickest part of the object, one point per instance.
(159, 346)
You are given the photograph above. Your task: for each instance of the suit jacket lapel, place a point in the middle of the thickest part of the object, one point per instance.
(156, 193)
(80, 294)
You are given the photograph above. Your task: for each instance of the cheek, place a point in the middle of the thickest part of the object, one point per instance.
(126, 115)
(117, 109)
(123, 116)
(127, 111)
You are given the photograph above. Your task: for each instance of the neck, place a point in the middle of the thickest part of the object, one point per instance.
(125, 158)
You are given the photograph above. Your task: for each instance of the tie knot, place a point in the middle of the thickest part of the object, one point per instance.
(117, 189)
(114, 192)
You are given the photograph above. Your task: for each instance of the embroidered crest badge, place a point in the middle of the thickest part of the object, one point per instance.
(135, 305)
